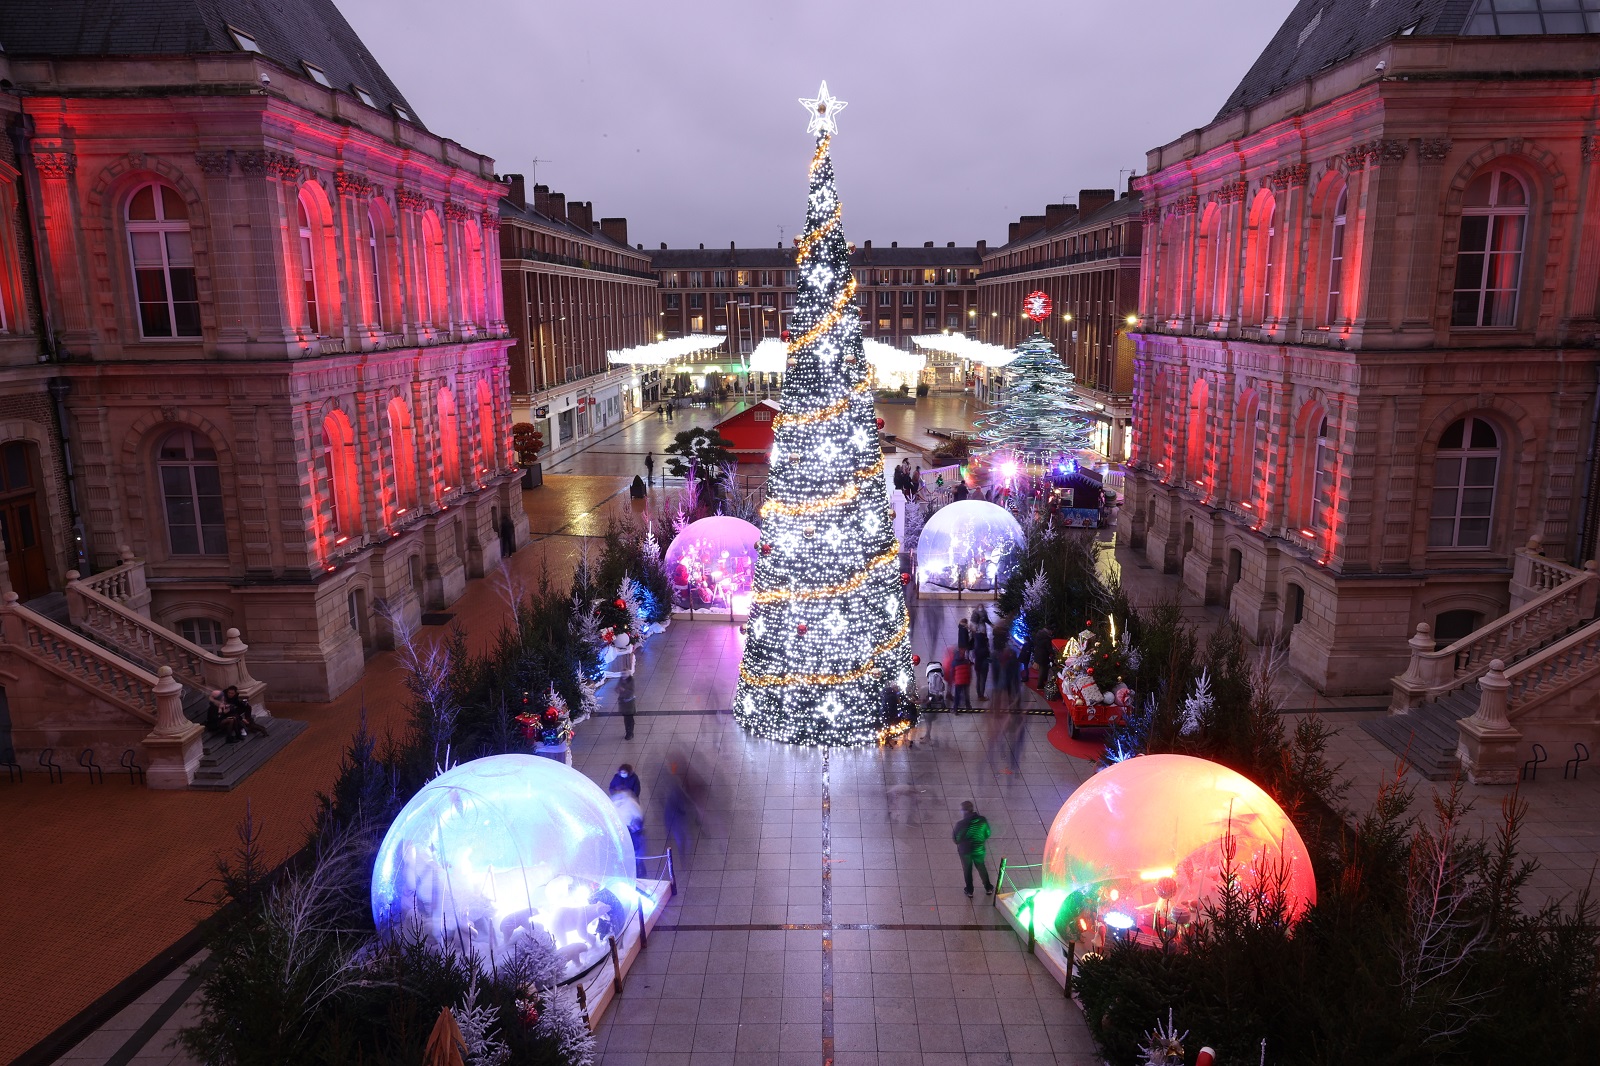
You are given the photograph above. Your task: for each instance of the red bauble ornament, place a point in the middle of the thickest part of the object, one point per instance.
(801, 628)
(905, 579)
(620, 604)
(916, 660)
(880, 423)
(552, 713)
(785, 334)
(766, 549)
(1037, 305)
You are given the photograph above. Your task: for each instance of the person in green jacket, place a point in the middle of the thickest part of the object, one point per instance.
(971, 836)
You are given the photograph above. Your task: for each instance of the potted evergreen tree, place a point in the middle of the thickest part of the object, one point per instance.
(528, 442)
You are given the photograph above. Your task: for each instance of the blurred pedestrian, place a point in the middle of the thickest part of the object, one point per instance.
(971, 836)
(632, 815)
(625, 705)
(960, 681)
(964, 635)
(1006, 677)
(980, 654)
(650, 468)
(1016, 734)
(905, 801)
(625, 780)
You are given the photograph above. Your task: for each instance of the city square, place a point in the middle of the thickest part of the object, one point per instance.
(1167, 634)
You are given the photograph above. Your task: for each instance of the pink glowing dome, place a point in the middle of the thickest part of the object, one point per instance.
(713, 562)
(1142, 842)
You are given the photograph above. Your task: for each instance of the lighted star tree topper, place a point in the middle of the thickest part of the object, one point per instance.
(828, 629)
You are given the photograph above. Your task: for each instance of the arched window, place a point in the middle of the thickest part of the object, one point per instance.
(402, 455)
(206, 632)
(430, 268)
(472, 273)
(1494, 225)
(1208, 258)
(1336, 257)
(1263, 230)
(1195, 433)
(486, 427)
(1326, 456)
(191, 489)
(374, 265)
(308, 267)
(163, 263)
(1311, 461)
(1242, 458)
(1465, 469)
(449, 441)
(340, 474)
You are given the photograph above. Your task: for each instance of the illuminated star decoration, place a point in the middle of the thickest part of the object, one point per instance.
(824, 112)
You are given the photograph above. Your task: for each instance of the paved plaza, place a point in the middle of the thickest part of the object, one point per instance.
(809, 920)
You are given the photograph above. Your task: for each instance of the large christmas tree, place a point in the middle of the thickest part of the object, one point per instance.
(1040, 417)
(828, 627)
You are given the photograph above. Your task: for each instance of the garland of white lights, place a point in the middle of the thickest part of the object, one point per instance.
(828, 627)
(964, 347)
(660, 353)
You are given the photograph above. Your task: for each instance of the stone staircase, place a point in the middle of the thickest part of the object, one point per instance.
(1472, 702)
(1427, 735)
(224, 765)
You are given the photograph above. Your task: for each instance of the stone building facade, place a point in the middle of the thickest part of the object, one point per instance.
(274, 307)
(1085, 257)
(574, 290)
(1366, 352)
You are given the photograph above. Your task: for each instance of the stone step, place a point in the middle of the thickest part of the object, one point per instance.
(224, 765)
(1426, 736)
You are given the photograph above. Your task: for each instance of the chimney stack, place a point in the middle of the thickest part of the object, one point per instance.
(557, 203)
(581, 214)
(952, 244)
(982, 246)
(1027, 226)
(516, 191)
(616, 229)
(927, 244)
(894, 244)
(1055, 214)
(1092, 200)
(541, 199)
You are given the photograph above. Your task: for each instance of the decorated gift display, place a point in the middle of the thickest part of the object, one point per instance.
(1142, 847)
(492, 849)
(1041, 418)
(712, 564)
(968, 545)
(1089, 681)
(828, 626)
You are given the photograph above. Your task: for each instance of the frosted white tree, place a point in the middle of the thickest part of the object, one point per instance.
(1197, 706)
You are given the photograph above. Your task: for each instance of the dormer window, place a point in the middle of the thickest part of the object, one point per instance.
(315, 74)
(364, 96)
(405, 116)
(245, 42)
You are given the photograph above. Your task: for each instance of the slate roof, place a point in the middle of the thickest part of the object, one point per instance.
(1128, 205)
(287, 31)
(1320, 33)
(527, 213)
(783, 258)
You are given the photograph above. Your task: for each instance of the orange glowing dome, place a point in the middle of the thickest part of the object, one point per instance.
(1142, 842)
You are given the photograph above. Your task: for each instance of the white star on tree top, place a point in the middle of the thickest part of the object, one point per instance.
(824, 109)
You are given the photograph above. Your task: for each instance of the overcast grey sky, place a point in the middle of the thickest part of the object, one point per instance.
(683, 116)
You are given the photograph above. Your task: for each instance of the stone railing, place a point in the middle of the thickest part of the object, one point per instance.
(1533, 575)
(79, 659)
(145, 641)
(1553, 670)
(124, 583)
(1567, 603)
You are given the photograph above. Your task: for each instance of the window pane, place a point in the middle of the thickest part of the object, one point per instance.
(1441, 532)
(173, 209)
(1477, 194)
(1444, 502)
(1480, 471)
(1474, 233)
(142, 207)
(18, 476)
(1483, 435)
(179, 251)
(1508, 233)
(1476, 503)
(146, 249)
(1499, 308)
(1474, 533)
(1447, 471)
(208, 479)
(1464, 308)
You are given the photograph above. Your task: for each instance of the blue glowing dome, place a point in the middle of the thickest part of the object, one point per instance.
(493, 848)
(968, 544)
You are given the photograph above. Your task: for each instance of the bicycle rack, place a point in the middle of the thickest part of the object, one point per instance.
(1580, 755)
(130, 763)
(97, 776)
(47, 760)
(8, 759)
(1530, 769)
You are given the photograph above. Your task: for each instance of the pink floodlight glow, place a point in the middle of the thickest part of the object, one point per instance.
(1145, 839)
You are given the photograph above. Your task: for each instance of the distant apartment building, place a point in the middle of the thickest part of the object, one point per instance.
(573, 291)
(748, 294)
(1085, 257)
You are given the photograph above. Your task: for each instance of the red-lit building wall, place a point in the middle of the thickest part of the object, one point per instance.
(334, 346)
(1298, 366)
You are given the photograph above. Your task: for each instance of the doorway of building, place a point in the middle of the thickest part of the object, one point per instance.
(22, 520)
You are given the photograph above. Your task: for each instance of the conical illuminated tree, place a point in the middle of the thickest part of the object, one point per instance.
(828, 627)
(1040, 417)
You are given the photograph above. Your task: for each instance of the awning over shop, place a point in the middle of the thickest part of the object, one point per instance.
(963, 347)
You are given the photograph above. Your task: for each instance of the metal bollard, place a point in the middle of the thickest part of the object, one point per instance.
(999, 883)
(616, 967)
(583, 1003)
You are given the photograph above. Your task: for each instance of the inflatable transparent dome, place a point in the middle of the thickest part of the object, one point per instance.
(1142, 842)
(969, 545)
(712, 563)
(493, 848)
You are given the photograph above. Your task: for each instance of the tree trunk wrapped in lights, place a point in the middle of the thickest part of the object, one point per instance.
(1041, 418)
(828, 628)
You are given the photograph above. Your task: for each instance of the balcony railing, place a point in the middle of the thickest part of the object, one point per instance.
(531, 256)
(1116, 251)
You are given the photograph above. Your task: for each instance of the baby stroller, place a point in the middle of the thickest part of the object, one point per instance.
(938, 691)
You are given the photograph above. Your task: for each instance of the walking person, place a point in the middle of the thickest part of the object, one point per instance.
(649, 468)
(980, 650)
(960, 681)
(1007, 693)
(625, 780)
(625, 704)
(971, 836)
(632, 815)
